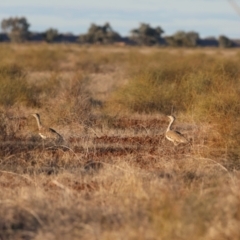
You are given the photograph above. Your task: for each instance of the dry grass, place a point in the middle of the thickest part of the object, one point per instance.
(116, 176)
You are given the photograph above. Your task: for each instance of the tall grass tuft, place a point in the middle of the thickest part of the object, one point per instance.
(64, 100)
(14, 87)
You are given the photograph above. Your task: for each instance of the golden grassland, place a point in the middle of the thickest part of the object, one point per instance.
(116, 176)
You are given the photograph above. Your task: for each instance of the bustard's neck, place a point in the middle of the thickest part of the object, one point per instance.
(38, 121)
(170, 124)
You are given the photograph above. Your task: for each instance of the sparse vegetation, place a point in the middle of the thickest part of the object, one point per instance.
(115, 176)
(192, 86)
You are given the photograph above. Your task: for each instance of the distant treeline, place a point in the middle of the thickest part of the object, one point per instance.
(16, 29)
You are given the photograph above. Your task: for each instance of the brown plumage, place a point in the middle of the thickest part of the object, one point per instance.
(174, 136)
(44, 132)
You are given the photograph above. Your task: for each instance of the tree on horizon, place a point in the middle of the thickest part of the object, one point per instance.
(183, 39)
(100, 34)
(50, 35)
(146, 35)
(16, 28)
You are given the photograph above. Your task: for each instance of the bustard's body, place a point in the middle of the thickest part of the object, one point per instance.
(174, 136)
(44, 132)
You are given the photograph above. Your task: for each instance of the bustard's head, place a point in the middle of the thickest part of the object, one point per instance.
(171, 117)
(36, 115)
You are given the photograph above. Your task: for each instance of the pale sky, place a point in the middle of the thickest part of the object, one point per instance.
(207, 17)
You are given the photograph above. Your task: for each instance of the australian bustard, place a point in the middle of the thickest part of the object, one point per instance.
(174, 136)
(44, 132)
